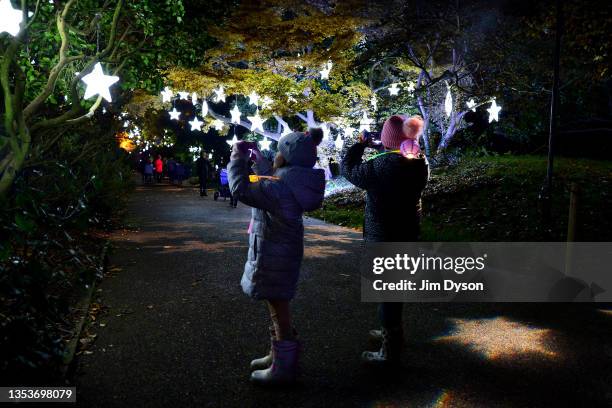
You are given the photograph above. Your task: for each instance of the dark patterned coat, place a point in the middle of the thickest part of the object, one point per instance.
(393, 187)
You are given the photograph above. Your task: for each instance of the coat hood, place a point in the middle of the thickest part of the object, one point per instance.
(306, 184)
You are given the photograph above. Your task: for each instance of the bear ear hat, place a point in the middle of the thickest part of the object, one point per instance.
(316, 134)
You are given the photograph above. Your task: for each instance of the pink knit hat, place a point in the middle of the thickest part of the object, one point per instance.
(392, 134)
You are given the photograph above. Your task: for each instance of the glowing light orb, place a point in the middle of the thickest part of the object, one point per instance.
(98, 83)
(194, 98)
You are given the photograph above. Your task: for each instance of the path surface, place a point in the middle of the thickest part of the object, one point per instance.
(177, 331)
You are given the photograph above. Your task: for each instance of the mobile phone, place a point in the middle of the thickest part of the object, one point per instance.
(373, 138)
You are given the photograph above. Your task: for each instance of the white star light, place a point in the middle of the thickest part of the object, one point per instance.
(266, 102)
(196, 124)
(256, 122)
(253, 98)
(394, 90)
(10, 18)
(204, 108)
(339, 142)
(167, 95)
(184, 95)
(174, 114)
(235, 114)
(494, 111)
(219, 94)
(365, 122)
(471, 105)
(448, 103)
(194, 98)
(218, 124)
(325, 71)
(410, 87)
(98, 83)
(231, 142)
(265, 143)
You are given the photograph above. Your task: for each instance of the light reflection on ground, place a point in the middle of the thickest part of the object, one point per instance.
(500, 338)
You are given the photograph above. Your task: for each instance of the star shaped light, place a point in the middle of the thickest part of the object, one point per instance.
(471, 105)
(196, 124)
(219, 94)
(339, 142)
(394, 90)
(167, 95)
(218, 124)
(265, 143)
(231, 142)
(325, 71)
(266, 102)
(174, 114)
(184, 95)
(493, 111)
(256, 122)
(10, 18)
(194, 98)
(253, 98)
(365, 122)
(204, 108)
(235, 114)
(98, 83)
(410, 87)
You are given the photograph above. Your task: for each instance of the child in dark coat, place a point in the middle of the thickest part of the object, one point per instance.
(279, 197)
(394, 181)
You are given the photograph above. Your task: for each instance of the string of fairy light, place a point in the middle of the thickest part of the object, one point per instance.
(98, 84)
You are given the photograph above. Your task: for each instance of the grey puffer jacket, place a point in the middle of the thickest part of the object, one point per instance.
(276, 240)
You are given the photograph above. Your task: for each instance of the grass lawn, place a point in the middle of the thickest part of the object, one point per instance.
(496, 199)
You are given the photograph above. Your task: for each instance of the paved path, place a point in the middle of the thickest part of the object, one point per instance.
(177, 331)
